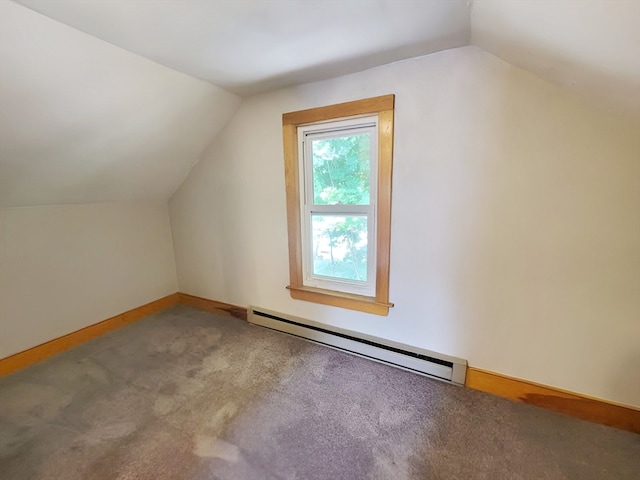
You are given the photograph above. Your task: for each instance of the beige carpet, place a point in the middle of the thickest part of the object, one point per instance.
(184, 394)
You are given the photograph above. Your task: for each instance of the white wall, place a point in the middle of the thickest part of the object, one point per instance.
(65, 267)
(83, 121)
(592, 46)
(515, 236)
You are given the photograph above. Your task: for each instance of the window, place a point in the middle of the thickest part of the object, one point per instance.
(338, 176)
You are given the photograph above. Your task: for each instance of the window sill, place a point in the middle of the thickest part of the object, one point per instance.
(340, 299)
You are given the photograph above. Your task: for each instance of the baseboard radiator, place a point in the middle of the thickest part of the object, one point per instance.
(425, 362)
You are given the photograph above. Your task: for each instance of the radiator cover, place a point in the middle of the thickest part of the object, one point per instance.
(424, 362)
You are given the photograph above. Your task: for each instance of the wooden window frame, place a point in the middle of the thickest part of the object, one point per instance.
(383, 107)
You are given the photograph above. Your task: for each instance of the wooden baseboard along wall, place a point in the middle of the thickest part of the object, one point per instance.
(57, 345)
(212, 306)
(576, 405)
(40, 352)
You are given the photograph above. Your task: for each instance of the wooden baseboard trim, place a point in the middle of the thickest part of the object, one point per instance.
(576, 405)
(580, 406)
(213, 306)
(40, 352)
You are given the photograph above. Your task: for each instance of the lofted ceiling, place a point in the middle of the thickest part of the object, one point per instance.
(590, 46)
(249, 46)
(83, 121)
(104, 100)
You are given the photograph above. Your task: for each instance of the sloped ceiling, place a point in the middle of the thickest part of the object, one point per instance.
(249, 46)
(103, 100)
(83, 121)
(591, 46)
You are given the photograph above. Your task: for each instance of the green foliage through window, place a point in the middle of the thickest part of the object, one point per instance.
(341, 174)
(341, 170)
(340, 246)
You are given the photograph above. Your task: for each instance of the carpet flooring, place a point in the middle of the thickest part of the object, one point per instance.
(185, 394)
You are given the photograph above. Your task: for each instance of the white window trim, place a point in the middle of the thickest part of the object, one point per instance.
(306, 134)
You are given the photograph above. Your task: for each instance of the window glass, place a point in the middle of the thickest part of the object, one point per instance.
(341, 170)
(340, 246)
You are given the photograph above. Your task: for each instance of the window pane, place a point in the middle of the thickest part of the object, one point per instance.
(340, 246)
(341, 170)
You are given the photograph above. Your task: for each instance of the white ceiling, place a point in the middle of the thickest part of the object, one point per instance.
(591, 46)
(250, 46)
(83, 121)
(90, 112)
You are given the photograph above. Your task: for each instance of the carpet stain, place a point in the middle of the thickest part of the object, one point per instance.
(390, 463)
(360, 423)
(395, 416)
(215, 363)
(163, 405)
(12, 438)
(213, 447)
(221, 417)
(32, 400)
(246, 403)
(190, 387)
(168, 389)
(178, 346)
(101, 433)
(246, 375)
(319, 366)
(73, 372)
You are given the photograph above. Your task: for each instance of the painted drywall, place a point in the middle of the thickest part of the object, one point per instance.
(257, 46)
(590, 46)
(65, 267)
(515, 235)
(84, 121)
